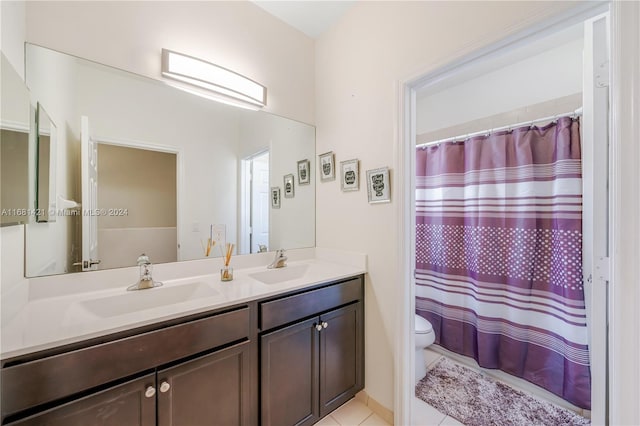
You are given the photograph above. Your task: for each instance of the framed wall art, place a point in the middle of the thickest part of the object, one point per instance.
(327, 166)
(349, 175)
(275, 197)
(289, 191)
(304, 175)
(378, 186)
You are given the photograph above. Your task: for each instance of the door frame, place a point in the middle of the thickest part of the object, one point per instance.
(625, 20)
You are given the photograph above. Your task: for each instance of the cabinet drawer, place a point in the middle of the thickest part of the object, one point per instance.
(47, 379)
(288, 309)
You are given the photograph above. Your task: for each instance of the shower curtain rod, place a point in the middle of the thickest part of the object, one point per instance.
(573, 114)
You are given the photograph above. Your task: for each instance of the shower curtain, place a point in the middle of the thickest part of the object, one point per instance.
(499, 253)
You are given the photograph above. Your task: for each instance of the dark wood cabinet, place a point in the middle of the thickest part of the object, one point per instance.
(132, 403)
(210, 390)
(198, 372)
(311, 367)
(341, 356)
(289, 375)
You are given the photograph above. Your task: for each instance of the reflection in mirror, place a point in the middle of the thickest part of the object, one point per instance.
(170, 172)
(14, 147)
(45, 166)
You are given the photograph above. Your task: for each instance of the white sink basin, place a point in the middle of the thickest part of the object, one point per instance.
(275, 276)
(140, 300)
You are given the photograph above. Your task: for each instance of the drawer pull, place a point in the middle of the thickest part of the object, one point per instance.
(164, 387)
(325, 324)
(150, 391)
(319, 327)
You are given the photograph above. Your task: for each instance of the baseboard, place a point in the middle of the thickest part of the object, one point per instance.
(375, 406)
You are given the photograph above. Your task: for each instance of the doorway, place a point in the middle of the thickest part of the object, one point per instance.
(596, 28)
(255, 209)
(137, 192)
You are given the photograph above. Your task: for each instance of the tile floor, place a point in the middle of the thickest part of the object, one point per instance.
(423, 413)
(353, 413)
(356, 413)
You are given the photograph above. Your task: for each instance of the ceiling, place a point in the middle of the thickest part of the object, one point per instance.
(311, 17)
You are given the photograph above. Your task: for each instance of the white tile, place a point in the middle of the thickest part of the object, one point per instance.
(328, 421)
(450, 421)
(374, 420)
(352, 413)
(426, 415)
(431, 357)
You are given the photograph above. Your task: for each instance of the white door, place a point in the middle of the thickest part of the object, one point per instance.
(260, 202)
(89, 166)
(595, 161)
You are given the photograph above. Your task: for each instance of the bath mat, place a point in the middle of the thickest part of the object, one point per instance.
(476, 400)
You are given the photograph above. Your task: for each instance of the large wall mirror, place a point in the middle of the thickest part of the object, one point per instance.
(143, 167)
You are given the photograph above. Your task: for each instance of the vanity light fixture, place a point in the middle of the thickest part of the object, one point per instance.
(221, 84)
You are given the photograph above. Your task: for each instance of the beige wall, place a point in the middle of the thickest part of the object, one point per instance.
(358, 65)
(235, 34)
(142, 181)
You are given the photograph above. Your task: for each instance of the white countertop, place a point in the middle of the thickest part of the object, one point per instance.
(47, 320)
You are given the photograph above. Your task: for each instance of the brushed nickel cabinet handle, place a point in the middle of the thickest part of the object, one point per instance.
(164, 387)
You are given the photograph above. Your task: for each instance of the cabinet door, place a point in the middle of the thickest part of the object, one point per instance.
(289, 375)
(211, 390)
(132, 403)
(341, 356)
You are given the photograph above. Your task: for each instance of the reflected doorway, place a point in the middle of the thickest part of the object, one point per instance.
(137, 198)
(255, 212)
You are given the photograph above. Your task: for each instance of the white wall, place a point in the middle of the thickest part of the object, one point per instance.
(14, 291)
(237, 35)
(552, 74)
(358, 65)
(12, 33)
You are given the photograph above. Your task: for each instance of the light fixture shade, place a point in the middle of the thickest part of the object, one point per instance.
(214, 78)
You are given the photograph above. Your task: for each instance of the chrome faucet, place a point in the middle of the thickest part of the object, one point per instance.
(279, 261)
(146, 280)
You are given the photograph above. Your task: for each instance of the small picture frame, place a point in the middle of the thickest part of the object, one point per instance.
(378, 185)
(289, 191)
(275, 197)
(327, 167)
(349, 175)
(304, 175)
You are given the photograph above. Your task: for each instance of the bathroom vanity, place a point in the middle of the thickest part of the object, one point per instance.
(270, 354)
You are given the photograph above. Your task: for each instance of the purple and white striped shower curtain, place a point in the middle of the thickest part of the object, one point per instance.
(499, 253)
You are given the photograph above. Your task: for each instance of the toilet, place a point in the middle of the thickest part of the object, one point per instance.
(424, 337)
